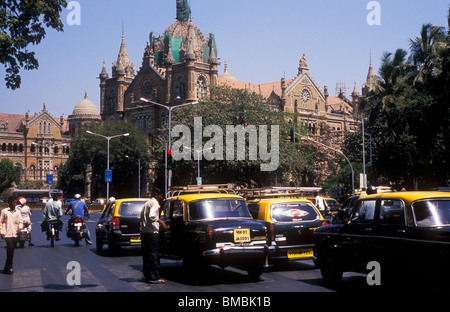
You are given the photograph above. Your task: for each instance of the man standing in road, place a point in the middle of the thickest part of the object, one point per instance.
(11, 224)
(150, 227)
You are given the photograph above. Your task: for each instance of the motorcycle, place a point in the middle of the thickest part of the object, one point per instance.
(76, 229)
(23, 235)
(53, 231)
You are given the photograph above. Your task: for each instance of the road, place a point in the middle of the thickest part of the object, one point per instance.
(41, 268)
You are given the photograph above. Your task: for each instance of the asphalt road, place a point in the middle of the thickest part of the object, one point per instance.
(41, 268)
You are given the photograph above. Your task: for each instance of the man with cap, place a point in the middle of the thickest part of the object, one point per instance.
(79, 208)
(26, 216)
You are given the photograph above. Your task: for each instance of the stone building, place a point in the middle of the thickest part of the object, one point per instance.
(177, 67)
(40, 144)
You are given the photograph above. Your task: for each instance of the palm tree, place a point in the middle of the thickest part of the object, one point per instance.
(426, 51)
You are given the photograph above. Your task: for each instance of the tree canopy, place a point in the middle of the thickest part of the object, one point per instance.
(23, 23)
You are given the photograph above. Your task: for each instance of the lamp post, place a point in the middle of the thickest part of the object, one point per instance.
(108, 138)
(170, 109)
(337, 151)
(139, 174)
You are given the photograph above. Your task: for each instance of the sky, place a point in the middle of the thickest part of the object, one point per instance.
(261, 40)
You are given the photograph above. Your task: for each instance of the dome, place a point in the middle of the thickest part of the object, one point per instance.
(226, 75)
(85, 107)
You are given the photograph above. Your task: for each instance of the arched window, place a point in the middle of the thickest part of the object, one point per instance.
(202, 87)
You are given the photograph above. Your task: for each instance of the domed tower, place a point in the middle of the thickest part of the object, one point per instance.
(84, 112)
(178, 66)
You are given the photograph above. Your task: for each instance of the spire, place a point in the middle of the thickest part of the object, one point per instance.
(104, 74)
(123, 64)
(191, 43)
(370, 80)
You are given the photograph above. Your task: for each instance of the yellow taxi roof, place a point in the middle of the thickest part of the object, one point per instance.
(409, 197)
(196, 196)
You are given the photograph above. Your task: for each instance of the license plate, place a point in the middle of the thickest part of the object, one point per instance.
(242, 236)
(300, 253)
(135, 240)
(78, 224)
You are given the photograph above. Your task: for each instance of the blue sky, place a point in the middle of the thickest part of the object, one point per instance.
(262, 41)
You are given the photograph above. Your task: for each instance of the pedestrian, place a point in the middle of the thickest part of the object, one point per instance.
(150, 229)
(319, 202)
(79, 208)
(26, 216)
(11, 224)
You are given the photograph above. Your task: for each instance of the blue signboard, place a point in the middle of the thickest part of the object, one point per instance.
(108, 175)
(49, 178)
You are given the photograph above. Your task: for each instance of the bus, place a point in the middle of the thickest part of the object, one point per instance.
(37, 196)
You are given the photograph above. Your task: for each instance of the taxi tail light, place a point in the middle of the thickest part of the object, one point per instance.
(115, 224)
(209, 232)
(324, 223)
(271, 232)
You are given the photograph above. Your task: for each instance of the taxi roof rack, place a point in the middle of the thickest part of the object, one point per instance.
(274, 192)
(228, 188)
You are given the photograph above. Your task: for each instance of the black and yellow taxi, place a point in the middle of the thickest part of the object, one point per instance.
(208, 226)
(293, 219)
(119, 224)
(406, 233)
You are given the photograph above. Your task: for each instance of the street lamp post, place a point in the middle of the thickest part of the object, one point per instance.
(108, 138)
(337, 151)
(169, 108)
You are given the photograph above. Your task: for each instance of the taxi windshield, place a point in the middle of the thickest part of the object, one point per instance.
(293, 212)
(432, 212)
(218, 208)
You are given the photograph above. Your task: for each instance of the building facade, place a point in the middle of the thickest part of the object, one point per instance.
(40, 144)
(37, 144)
(177, 67)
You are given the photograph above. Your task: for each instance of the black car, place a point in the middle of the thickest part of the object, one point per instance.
(405, 234)
(119, 224)
(211, 228)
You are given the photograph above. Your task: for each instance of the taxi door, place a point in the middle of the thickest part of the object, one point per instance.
(357, 235)
(171, 238)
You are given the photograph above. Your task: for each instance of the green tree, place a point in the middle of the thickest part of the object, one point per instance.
(23, 23)
(8, 174)
(408, 116)
(233, 107)
(92, 150)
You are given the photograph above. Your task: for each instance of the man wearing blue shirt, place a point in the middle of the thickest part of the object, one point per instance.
(79, 208)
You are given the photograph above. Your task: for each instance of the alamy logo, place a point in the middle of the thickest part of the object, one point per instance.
(374, 16)
(235, 143)
(74, 16)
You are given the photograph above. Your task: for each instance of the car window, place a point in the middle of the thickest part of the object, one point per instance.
(254, 210)
(432, 212)
(131, 208)
(364, 211)
(293, 212)
(177, 208)
(217, 208)
(392, 211)
(108, 210)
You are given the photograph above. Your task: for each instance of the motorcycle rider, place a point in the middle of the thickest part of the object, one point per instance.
(52, 213)
(79, 208)
(26, 214)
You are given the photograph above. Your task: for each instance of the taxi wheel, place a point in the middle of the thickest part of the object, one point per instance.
(331, 273)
